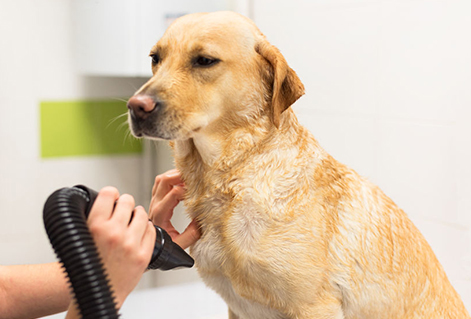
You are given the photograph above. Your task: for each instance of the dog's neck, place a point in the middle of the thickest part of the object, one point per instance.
(209, 148)
(218, 149)
(203, 149)
(208, 165)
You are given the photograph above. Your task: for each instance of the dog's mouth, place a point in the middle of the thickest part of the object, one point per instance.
(147, 118)
(156, 120)
(151, 129)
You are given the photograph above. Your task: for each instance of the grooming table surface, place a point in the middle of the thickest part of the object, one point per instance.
(185, 301)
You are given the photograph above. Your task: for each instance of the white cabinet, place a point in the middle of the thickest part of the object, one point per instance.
(114, 37)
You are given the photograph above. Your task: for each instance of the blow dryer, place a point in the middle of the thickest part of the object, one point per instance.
(65, 213)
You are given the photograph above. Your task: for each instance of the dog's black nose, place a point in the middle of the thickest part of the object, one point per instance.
(141, 105)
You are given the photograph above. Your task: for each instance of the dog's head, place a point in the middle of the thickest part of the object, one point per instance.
(211, 70)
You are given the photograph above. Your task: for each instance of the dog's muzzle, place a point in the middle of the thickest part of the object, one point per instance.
(147, 118)
(143, 114)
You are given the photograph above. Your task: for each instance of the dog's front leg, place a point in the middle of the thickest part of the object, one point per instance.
(232, 315)
(328, 308)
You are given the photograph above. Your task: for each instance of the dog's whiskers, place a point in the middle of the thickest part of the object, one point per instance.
(117, 118)
(120, 99)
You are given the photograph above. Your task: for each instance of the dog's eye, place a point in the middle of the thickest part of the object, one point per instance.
(155, 58)
(205, 62)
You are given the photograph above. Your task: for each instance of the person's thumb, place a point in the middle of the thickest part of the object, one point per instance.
(189, 236)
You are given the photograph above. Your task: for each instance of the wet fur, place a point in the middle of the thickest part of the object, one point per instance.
(287, 231)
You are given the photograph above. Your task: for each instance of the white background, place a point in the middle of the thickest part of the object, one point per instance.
(387, 93)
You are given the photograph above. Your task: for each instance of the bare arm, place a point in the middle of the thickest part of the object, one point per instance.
(32, 291)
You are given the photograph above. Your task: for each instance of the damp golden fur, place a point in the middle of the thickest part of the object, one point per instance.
(287, 231)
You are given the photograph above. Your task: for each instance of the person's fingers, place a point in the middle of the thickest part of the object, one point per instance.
(172, 231)
(138, 224)
(189, 236)
(158, 179)
(148, 240)
(165, 184)
(123, 210)
(162, 211)
(102, 209)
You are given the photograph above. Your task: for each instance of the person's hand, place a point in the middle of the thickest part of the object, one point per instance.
(125, 246)
(167, 192)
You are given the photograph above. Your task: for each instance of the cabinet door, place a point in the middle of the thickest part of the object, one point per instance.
(104, 37)
(114, 37)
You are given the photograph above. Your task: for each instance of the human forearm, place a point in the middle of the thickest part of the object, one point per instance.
(73, 312)
(32, 291)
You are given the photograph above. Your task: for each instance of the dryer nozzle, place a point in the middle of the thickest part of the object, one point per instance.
(166, 255)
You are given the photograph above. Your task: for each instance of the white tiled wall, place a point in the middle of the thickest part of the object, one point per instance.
(388, 93)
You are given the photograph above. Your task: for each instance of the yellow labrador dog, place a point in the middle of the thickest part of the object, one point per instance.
(287, 231)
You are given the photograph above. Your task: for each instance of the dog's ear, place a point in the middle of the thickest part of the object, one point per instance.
(287, 87)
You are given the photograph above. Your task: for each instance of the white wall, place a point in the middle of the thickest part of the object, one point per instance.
(37, 63)
(388, 93)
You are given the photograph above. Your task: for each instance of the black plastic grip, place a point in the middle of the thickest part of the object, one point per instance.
(65, 214)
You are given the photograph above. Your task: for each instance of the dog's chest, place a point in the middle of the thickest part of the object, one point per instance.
(232, 230)
(242, 252)
(220, 269)
(232, 253)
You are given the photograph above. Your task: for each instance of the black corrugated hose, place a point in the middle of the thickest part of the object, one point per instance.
(65, 214)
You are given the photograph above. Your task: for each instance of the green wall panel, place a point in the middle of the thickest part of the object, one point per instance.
(83, 128)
